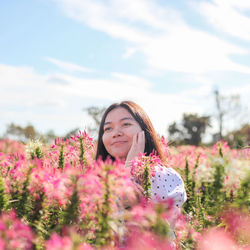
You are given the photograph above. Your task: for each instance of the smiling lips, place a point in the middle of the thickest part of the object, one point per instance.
(118, 143)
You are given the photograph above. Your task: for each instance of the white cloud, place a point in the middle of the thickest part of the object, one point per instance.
(129, 52)
(189, 50)
(132, 81)
(240, 4)
(70, 67)
(101, 16)
(160, 34)
(33, 97)
(29, 96)
(227, 16)
(25, 87)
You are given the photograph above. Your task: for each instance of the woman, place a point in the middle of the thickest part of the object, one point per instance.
(125, 131)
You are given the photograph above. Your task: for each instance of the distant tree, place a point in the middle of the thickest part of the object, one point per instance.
(191, 129)
(96, 114)
(24, 134)
(30, 132)
(49, 136)
(196, 127)
(176, 134)
(239, 138)
(13, 129)
(21, 133)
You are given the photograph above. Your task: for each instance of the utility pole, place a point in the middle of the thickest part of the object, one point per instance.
(220, 112)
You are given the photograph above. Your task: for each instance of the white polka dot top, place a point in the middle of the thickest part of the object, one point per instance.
(167, 183)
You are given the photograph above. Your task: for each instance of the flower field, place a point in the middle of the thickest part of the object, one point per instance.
(58, 197)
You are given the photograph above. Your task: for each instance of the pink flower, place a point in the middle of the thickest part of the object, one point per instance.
(84, 246)
(146, 241)
(16, 234)
(2, 244)
(59, 243)
(139, 164)
(238, 224)
(2, 226)
(217, 239)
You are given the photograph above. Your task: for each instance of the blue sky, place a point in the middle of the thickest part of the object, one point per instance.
(60, 56)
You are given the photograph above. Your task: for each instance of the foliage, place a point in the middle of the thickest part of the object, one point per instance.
(239, 138)
(3, 196)
(58, 197)
(24, 134)
(96, 114)
(190, 131)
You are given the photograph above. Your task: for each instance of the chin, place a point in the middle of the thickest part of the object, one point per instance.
(120, 156)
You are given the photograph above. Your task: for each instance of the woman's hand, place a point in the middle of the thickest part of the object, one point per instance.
(138, 146)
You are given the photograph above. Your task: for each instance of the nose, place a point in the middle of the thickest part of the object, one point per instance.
(117, 132)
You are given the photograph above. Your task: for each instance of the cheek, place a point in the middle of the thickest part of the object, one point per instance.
(130, 134)
(133, 131)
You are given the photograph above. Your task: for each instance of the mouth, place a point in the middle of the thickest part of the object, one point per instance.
(117, 143)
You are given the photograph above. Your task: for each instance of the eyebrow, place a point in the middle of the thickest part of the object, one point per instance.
(125, 118)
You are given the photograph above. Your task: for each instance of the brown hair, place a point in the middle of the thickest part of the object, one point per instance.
(151, 141)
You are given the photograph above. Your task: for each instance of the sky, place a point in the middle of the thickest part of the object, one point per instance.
(58, 57)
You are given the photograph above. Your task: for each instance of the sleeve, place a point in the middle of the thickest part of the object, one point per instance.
(167, 183)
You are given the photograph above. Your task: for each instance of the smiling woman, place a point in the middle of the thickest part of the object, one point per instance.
(119, 130)
(125, 131)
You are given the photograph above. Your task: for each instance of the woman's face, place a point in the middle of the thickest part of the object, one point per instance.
(119, 129)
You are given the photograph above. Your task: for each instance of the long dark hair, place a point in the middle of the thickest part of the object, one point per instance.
(151, 140)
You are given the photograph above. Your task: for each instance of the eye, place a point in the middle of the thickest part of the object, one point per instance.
(106, 129)
(126, 124)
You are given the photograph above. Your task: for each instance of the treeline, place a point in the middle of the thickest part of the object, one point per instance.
(228, 109)
(191, 130)
(29, 132)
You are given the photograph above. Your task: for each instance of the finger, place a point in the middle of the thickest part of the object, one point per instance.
(137, 137)
(141, 139)
(134, 139)
(143, 134)
(141, 142)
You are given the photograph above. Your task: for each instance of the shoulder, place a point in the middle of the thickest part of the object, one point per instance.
(162, 171)
(167, 183)
(169, 176)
